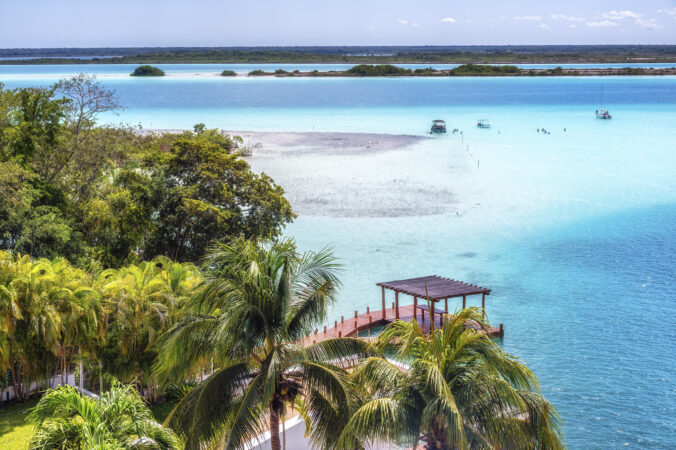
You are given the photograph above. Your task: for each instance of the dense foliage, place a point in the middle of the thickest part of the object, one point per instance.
(119, 418)
(53, 315)
(112, 194)
(258, 72)
(381, 70)
(147, 71)
(228, 73)
(476, 69)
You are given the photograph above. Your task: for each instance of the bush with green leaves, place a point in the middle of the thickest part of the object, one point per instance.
(147, 71)
(66, 419)
(258, 73)
(380, 70)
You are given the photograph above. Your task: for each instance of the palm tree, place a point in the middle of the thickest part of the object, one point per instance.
(455, 389)
(66, 419)
(255, 307)
(138, 302)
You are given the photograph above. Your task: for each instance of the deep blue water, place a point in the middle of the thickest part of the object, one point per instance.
(574, 232)
(600, 295)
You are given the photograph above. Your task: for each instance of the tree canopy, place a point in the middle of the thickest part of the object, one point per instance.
(147, 71)
(84, 191)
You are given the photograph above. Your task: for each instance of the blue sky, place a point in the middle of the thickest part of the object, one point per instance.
(99, 23)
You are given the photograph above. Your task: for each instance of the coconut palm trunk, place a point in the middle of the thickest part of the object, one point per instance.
(275, 443)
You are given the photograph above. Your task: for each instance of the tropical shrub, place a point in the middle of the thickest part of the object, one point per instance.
(147, 71)
(257, 72)
(380, 70)
(119, 418)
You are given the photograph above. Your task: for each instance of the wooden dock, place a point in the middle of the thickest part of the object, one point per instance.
(435, 291)
(351, 326)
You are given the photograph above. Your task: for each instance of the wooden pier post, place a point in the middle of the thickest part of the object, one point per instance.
(396, 301)
(446, 305)
(464, 301)
(383, 287)
(415, 308)
(324, 329)
(483, 301)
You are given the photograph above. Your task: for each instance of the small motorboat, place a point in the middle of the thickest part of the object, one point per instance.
(438, 127)
(603, 114)
(483, 123)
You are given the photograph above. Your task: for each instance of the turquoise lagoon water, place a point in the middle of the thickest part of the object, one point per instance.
(574, 231)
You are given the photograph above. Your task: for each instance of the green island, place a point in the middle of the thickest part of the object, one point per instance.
(147, 71)
(147, 274)
(505, 54)
(228, 73)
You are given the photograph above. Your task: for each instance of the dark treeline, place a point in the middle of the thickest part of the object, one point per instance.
(385, 54)
(464, 70)
(668, 50)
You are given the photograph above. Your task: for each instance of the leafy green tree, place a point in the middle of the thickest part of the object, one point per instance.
(118, 419)
(204, 194)
(147, 71)
(82, 191)
(379, 70)
(257, 304)
(36, 124)
(454, 389)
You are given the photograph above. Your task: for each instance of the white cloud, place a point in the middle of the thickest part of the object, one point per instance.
(647, 24)
(565, 17)
(602, 24)
(572, 25)
(545, 26)
(619, 15)
(468, 21)
(448, 20)
(671, 11)
(414, 24)
(370, 27)
(527, 17)
(402, 21)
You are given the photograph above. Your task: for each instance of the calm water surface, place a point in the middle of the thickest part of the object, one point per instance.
(574, 231)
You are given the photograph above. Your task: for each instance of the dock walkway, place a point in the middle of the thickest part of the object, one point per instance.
(351, 326)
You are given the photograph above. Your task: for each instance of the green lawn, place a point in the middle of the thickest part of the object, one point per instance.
(15, 433)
